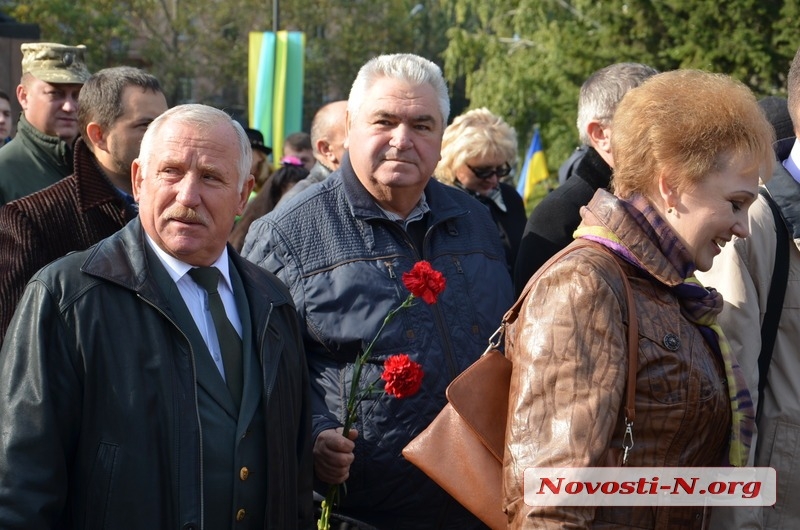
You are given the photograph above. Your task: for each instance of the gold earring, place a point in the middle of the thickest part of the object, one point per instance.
(669, 210)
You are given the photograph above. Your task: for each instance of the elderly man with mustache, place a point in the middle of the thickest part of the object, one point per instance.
(157, 379)
(342, 247)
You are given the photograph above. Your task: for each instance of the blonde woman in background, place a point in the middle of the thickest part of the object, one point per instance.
(478, 149)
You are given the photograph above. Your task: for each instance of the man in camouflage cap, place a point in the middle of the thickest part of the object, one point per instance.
(41, 152)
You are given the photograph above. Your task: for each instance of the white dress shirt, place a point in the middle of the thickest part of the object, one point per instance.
(196, 298)
(792, 164)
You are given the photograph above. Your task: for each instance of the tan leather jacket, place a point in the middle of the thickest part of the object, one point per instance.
(569, 353)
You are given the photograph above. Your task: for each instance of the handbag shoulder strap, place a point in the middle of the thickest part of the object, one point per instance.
(777, 291)
(633, 320)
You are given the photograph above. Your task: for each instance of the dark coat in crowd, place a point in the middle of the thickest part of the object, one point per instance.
(335, 248)
(32, 161)
(510, 221)
(115, 440)
(72, 214)
(552, 222)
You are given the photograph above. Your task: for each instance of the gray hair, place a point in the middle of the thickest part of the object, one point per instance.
(201, 117)
(407, 67)
(603, 90)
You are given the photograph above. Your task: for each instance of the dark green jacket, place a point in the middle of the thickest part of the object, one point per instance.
(31, 162)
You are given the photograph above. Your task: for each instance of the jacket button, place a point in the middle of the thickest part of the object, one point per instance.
(672, 342)
(244, 473)
(240, 515)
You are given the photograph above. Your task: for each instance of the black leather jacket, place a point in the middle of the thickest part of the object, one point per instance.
(99, 425)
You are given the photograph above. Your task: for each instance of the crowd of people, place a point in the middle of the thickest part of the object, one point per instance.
(181, 316)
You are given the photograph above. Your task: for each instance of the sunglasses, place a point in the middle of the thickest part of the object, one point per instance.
(486, 172)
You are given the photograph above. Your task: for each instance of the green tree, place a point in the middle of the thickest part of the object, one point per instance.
(526, 59)
(523, 59)
(341, 35)
(198, 48)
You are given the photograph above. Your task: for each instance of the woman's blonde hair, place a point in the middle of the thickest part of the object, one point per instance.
(475, 134)
(684, 125)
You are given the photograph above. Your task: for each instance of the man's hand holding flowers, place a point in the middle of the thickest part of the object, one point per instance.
(333, 448)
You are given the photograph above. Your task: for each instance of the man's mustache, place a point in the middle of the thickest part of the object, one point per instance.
(185, 215)
(394, 156)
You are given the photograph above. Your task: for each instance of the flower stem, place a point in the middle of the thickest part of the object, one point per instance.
(355, 397)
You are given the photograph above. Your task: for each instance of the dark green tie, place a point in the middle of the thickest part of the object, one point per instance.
(230, 344)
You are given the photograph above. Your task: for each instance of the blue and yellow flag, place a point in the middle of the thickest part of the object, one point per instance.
(275, 85)
(534, 170)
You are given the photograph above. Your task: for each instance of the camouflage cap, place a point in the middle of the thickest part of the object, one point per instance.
(55, 63)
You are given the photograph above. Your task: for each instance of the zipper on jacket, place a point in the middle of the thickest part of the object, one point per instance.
(457, 263)
(448, 346)
(390, 269)
(196, 405)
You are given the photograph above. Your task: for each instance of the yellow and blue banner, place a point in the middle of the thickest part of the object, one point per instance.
(534, 170)
(276, 64)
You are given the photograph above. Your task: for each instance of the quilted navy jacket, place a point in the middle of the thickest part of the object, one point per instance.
(343, 261)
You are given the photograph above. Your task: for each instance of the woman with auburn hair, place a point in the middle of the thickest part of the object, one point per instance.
(478, 149)
(689, 149)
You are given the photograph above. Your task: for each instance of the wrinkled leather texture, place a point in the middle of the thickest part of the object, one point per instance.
(100, 427)
(569, 353)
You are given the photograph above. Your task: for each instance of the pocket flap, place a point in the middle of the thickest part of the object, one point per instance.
(480, 396)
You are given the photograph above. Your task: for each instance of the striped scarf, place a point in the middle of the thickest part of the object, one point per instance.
(698, 305)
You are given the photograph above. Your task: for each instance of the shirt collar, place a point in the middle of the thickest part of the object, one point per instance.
(177, 269)
(495, 195)
(128, 198)
(792, 164)
(417, 213)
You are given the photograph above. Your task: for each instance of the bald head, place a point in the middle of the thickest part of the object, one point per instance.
(327, 134)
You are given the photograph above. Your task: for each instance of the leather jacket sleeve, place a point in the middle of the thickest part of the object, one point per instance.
(305, 464)
(263, 247)
(569, 353)
(40, 414)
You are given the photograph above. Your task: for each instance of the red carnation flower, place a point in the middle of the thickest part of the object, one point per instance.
(424, 282)
(402, 375)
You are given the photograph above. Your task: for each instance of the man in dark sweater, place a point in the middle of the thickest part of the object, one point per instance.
(552, 222)
(116, 106)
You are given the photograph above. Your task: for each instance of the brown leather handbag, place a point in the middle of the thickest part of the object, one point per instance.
(462, 449)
